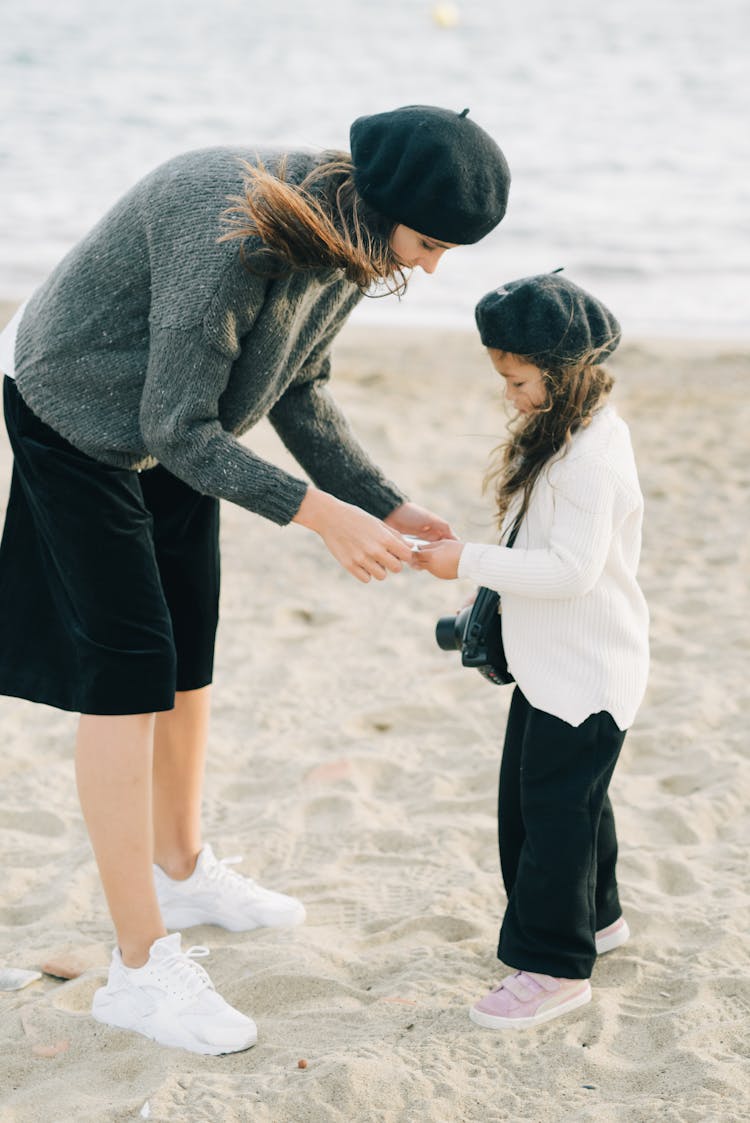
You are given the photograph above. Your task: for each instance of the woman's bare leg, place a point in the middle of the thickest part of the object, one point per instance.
(114, 773)
(179, 759)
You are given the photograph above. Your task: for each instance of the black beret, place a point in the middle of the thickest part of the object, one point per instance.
(431, 169)
(549, 319)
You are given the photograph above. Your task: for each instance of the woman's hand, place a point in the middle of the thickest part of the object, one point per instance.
(412, 519)
(362, 544)
(439, 558)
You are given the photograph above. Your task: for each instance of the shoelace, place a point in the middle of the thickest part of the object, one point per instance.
(182, 970)
(221, 872)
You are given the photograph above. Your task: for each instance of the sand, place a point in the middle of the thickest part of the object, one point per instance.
(354, 765)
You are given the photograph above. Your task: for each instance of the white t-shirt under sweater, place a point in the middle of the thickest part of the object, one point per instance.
(575, 622)
(8, 344)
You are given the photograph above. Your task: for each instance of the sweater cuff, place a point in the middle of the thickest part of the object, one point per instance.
(379, 498)
(473, 555)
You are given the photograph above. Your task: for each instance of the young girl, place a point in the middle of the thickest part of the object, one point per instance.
(575, 632)
(160, 339)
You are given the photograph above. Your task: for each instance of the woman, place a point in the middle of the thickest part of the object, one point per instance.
(170, 330)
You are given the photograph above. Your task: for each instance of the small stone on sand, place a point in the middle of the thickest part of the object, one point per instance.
(69, 963)
(50, 1050)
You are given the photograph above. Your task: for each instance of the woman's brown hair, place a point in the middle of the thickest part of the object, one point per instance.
(574, 392)
(319, 223)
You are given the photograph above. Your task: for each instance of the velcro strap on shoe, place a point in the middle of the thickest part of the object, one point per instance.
(522, 986)
(546, 982)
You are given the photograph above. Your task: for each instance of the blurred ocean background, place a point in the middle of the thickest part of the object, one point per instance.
(626, 126)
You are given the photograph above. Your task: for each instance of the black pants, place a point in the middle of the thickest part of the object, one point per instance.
(558, 846)
(109, 579)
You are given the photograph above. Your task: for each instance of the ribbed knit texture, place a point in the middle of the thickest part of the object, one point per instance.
(151, 342)
(575, 622)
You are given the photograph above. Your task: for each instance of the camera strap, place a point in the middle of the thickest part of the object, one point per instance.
(514, 531)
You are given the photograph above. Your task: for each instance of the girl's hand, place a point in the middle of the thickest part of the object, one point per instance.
(439, 558)
(362, 544)
(412, 519)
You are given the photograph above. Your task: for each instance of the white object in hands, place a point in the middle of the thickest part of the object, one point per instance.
(414, 542)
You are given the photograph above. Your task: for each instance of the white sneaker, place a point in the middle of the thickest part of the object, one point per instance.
(172, 1000)
(215, 894)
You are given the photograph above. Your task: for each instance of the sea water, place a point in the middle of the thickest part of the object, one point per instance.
(625, 124)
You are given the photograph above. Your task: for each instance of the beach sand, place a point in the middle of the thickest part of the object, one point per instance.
(355, 765)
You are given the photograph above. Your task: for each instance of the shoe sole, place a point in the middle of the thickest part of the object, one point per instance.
(175, 919)
(103, 1011)
(614, 940)
(492, 1021)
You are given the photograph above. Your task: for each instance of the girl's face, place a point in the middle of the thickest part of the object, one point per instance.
(413, 249)
(524, 383)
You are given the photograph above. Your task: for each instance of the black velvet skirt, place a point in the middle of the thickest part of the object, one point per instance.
(109, 579)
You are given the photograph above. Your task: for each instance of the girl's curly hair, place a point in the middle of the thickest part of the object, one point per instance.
(574, 392)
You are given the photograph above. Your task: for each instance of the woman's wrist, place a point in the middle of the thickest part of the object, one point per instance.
(315, 508)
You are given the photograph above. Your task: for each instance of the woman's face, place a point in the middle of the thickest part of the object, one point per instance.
(413, 249)
(524, 383)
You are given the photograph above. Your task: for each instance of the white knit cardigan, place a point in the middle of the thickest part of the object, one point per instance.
(575, 622)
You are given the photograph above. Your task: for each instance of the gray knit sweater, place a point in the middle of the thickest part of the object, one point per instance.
(152, 343)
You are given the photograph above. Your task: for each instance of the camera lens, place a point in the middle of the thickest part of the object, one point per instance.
(449, 631)
(445, 633)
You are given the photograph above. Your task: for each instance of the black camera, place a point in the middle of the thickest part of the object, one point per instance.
(476, 632)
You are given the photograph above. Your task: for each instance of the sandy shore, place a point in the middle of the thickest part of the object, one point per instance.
(354, 765)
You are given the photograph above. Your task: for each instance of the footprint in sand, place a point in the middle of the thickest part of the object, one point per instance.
(674, 825)
(675, 878)
(437, 929)
(273, 993)
(32, 822)
(368, 774)
(407, 721)
(308, 617)
(75, 997)
(330, 813)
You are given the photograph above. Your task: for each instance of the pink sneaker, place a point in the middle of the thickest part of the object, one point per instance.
(607, 939)
(528, 999)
